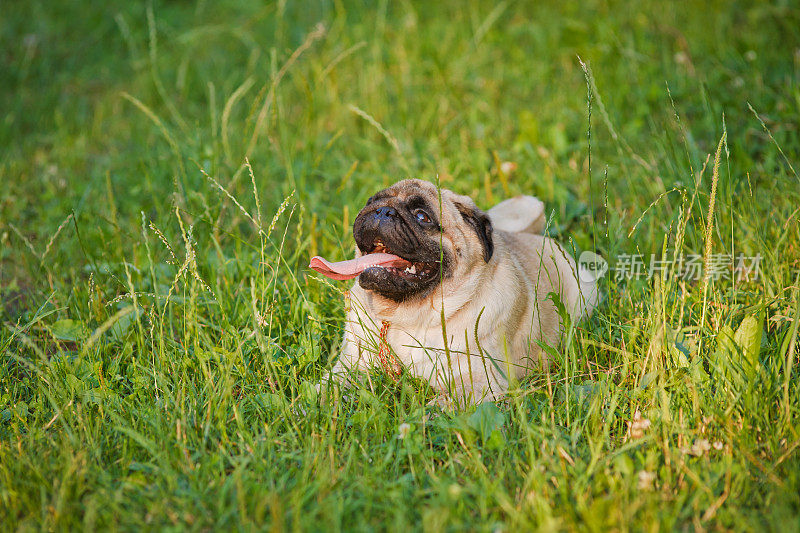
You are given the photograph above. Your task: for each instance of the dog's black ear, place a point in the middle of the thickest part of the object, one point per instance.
(482, 225)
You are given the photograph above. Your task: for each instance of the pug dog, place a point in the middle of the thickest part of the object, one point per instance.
(452, 294)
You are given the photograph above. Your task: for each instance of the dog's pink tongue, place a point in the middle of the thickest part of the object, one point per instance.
(352, 268)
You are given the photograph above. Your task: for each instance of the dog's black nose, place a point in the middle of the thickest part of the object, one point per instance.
(385, 212)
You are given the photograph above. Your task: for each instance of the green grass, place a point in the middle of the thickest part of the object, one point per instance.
(159, 343)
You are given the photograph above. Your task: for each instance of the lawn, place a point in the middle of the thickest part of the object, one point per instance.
(168, 169)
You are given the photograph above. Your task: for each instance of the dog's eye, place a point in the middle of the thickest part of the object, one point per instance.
(422, 217)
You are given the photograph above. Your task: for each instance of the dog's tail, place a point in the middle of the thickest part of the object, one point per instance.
(521, 214)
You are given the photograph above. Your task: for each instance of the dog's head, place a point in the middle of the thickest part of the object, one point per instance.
(440, 236)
